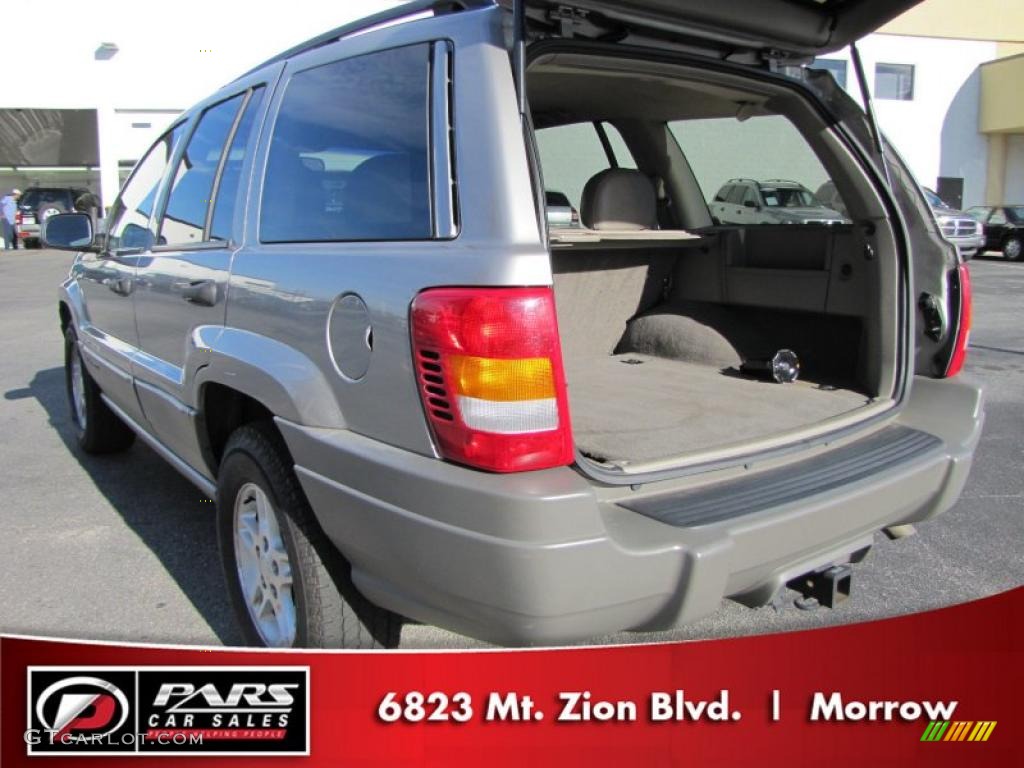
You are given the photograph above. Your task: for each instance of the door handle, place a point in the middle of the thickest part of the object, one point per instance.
(201, 292)
(121, 286)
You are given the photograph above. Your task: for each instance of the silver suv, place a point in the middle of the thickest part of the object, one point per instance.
(329, 295)
(776, 201)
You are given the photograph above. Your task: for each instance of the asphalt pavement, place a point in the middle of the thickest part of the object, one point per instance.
(123, 548)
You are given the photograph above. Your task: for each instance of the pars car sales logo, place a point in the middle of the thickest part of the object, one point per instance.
(188, 710)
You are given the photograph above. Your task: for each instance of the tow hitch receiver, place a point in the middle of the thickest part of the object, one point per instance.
(827, 587)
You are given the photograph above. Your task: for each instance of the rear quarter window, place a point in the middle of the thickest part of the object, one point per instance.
(349, 152)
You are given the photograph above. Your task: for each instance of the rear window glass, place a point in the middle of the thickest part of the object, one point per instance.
(34, 197)
(722, 150)
(349, 152)
(571, 154)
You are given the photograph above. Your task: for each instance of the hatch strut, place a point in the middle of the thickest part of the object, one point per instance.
(869, 108)
(519, 51)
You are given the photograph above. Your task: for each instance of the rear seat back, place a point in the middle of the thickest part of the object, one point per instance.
(619, 199)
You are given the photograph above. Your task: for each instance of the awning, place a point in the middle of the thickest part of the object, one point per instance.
(49, 137)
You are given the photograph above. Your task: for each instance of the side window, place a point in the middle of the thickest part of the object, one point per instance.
(750, 196)
(794, 184)
(184, 218)
(571, 154)
(129, 226)
(998, 217)
(349, 152)
(227, 189)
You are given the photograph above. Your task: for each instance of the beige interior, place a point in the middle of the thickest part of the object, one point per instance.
(656, 323)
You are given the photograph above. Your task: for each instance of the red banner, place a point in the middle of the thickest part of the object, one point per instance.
(937, 689)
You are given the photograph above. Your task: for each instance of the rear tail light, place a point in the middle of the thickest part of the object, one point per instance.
(963, 329)
(489, 367)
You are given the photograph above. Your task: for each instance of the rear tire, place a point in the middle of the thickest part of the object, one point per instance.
(288, 584)
(1012, 248)
(97, 428)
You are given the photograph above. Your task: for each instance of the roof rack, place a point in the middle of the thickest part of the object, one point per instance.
(391, 14)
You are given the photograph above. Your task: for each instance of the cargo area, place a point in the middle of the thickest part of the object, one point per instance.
(654, 352)
(688, 266)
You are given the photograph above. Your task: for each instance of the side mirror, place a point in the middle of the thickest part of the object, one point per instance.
(750, 204)
(68, 232)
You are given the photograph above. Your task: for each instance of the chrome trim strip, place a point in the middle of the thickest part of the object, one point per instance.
(159, 367)
(445, 226)
(174, 402)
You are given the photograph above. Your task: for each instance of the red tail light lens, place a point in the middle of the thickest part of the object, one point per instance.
(963, 330)
(489, 366)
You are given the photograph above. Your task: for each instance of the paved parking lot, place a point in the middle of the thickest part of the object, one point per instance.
(123, 548)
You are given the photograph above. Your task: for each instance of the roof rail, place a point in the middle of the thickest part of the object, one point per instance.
(391, 14)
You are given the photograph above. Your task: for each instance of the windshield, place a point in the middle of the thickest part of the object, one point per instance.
(789, 197)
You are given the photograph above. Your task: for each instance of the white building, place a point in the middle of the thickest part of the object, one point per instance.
(84, 101)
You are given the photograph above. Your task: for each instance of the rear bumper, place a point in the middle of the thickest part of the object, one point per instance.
(547, 557)
(28, 231)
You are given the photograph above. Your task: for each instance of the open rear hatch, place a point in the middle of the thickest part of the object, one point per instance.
(798, 28)
(657, 326)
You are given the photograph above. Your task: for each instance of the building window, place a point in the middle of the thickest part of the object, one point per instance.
(836, 66)
(894, 81)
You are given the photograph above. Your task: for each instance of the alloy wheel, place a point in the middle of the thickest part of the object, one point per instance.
(264, 569)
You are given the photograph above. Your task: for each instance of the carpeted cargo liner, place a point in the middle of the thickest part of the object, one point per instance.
(633, 408)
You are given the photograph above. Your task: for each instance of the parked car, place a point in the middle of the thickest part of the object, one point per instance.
(39, 203)
(376, 387)
(957, 227)
(776, 201)
(1004, 228)
(960, 228)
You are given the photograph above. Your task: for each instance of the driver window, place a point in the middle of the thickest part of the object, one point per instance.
(129, 228)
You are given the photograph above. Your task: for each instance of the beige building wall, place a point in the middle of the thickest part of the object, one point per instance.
(1001, 21)
(1001, 107)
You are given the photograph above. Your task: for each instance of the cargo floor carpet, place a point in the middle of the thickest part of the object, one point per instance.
(626, 412)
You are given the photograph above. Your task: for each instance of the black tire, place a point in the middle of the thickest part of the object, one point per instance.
(103, 431)
(1012, 248)
(329, 611)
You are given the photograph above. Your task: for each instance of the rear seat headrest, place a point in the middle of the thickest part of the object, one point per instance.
(619, 198)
